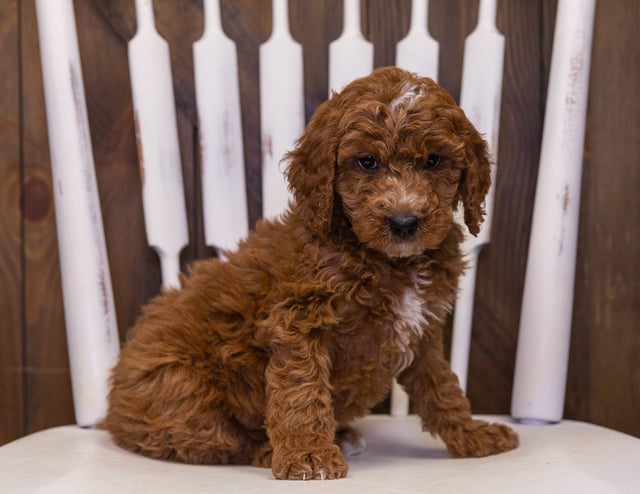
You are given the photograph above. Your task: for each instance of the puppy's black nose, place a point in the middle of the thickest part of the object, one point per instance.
(403, 225)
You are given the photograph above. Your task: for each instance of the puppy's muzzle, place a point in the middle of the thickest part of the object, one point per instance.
(403, 226)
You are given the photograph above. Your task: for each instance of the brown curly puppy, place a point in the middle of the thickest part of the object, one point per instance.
(266, 358)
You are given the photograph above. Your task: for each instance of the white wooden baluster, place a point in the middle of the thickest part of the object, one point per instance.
(545, 322)
(351, 55)
(418, 52)
(480, 98)
(281, 107)
(224, 194)
(158, 149)
(92, 332)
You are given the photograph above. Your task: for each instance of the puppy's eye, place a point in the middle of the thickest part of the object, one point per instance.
(368, 163)
(432, 162)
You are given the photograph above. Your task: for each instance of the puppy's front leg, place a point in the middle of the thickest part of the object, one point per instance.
(299, 417)
(443, 407)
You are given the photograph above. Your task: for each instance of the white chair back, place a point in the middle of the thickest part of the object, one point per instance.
(92, 334)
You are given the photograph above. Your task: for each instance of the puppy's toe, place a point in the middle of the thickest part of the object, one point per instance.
(478, 438)
(319, 464)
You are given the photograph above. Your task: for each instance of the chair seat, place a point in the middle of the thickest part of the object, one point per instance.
(567, 457)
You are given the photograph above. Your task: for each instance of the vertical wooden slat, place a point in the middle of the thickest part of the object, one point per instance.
(502, 262)
(327, 17)
(11, 275)
(135, 269)
(220, 138)
(384, 24)
(91, 328)
(158, 147)
(48, 390)
(547, 306)
(450, 22)
(604, 371)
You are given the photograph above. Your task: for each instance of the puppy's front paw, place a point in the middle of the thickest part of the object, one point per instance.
(315, 464)
(478, 438)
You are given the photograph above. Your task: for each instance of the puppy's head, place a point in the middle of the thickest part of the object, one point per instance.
(395, 156)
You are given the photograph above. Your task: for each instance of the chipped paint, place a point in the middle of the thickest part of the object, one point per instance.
(565, 199)
(227, 150)
(575, 69)
(267, 144)
(91, 194)
(136, 123)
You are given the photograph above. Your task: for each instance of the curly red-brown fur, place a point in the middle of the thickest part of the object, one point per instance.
(266, 357)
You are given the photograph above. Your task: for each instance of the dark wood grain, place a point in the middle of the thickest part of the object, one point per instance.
(135, 271)
(604, 372)
(11, 276)
(604, 375)
(497, 304)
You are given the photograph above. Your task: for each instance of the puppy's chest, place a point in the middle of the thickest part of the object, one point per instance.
(408, 320)
(383, 334)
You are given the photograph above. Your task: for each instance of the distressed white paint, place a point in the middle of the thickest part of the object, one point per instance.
(281, 108)
(480, 98)
(547, 305)
(351, 55)
(92, 332)
(218, 99)
(158, 149)
(418, 52)
(400, 402)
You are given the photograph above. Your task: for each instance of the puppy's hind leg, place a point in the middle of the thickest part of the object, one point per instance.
(170, 413)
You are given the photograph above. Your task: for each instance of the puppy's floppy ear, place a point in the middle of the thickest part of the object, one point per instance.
(312, 168)
(476, 178)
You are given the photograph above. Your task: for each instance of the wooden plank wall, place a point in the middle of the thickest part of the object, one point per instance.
(604, 374)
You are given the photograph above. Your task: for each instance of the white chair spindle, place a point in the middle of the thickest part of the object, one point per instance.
(282, 115)
(351, 55)
(224, 194)
(547, 306)
(92, 332)
(158, 149)
(418, 52)
(480, 98)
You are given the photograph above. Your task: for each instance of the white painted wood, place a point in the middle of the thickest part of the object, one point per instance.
(547, 305)
(399, 403)
(480, 98)
(281, 108)
(158, 149)
(92, 332)
(571, 457)
(418, 52)
(224, 194)
(351, 55)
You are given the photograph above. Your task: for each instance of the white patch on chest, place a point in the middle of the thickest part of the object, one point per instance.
(410, 321)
